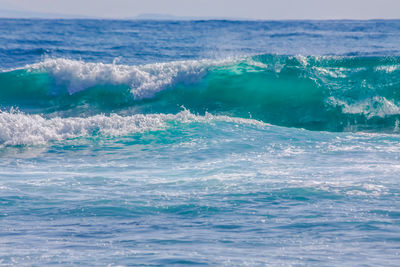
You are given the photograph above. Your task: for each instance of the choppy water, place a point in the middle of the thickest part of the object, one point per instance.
(203, 142)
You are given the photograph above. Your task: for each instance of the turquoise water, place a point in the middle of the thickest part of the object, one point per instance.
(199, 143)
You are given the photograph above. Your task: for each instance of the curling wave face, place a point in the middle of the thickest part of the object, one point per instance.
(316, 93)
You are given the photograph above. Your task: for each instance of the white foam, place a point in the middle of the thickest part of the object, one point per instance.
(376, 106)
(17, 128)
(388, 69)
(144, 80)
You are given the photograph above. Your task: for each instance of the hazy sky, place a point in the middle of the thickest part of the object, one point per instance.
(253, 9)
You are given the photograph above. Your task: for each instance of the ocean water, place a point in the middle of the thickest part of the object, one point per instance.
(228, 143)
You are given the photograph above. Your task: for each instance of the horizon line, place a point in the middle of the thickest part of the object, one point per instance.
(22, 14)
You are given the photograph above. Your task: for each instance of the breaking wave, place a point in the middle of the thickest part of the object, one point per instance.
(316, 93)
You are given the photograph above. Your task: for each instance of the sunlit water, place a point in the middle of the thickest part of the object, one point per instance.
(208, 142)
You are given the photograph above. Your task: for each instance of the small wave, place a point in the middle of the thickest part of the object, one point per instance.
(17, 128)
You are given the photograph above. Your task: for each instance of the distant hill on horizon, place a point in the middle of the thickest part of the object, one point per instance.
(155, 16)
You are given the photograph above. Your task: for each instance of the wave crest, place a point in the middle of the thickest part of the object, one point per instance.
(144, 81)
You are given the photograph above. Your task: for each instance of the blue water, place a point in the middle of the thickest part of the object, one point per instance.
(199, 142)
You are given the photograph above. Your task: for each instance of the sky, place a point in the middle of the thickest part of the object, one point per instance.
(247, 9)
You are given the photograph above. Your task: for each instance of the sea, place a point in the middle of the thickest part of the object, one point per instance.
(205, 142)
